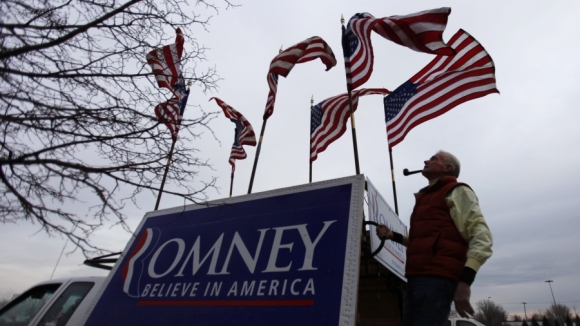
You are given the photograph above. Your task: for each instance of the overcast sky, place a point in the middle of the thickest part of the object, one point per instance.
(518, 149)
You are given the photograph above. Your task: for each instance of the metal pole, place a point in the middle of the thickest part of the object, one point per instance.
(392, 173)
(259, 147)
(169, 158)
(164, 175)
(352, 123)
(353, 128)
(525, 314)
(310, 150)
(59, 257)
(553, 298)
(257, 156)
(550, 284)
(232, 181)
(393, 179)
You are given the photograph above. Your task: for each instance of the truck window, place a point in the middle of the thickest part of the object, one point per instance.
(22, 309)
(63, 308)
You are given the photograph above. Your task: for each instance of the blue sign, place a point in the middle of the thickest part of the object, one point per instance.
(284, 257)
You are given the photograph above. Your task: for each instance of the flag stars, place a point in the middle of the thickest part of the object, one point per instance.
(352, 41)
(397, 99)
(315, 117)
(238, 131)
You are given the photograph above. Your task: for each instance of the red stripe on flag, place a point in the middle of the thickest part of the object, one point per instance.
(165, 62)
(445, 83)
(307, 50)
(335, 114)
(246, 136)
(422, 31)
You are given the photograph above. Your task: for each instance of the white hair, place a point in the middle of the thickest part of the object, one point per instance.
(453, 161)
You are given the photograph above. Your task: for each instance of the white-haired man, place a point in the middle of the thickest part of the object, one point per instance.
(448, 242)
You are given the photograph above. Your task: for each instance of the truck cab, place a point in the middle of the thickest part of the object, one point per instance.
(59, 302)
(459, 321)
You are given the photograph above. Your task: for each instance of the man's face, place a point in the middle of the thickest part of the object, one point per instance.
(435, 167)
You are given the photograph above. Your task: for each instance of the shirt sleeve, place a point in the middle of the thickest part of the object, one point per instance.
(400, 238)
(466, 214)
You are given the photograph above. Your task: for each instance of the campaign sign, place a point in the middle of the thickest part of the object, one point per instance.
(393, 255)
(283, 257)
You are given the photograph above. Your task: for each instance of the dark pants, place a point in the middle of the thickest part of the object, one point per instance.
(428, 301)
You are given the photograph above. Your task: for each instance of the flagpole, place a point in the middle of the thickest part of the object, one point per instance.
(393, 179)
(169, 160)
(309, 151)
(232, 181)
(392, 172)
(258, 149)
(165, 175)
(257, 155)
(353, 128)
(352, 122)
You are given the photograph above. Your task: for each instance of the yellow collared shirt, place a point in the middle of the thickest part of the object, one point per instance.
(466, 214)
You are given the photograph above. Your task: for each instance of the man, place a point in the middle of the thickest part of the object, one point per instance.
(448, 242)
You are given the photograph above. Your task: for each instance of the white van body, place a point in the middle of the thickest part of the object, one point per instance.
(58, 302)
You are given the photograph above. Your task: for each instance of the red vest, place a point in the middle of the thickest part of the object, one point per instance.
(435, 247)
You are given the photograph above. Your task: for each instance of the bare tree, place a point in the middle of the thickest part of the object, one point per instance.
(490, 313)
(77, 99)
(558, 312)
(546, 321)
(538, 315)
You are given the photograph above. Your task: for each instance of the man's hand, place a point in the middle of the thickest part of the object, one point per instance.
(384, 233)
(461, 299)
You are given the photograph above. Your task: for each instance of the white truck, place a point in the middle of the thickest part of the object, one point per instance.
(458, 321)
(64, 302)
(59, 302)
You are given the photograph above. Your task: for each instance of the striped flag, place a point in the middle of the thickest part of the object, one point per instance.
(244, 133)
(171, 112)
(422, 32)
(357, 49)
(273, 85)
(166, 62)
(307, 50)
(444, 83)
(328, 119)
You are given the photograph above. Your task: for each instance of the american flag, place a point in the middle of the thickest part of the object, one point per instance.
(166, 62)
(307, 50)
(171, 112)
(328, 119)
(357, 49)
(422, 31)
(244, 133)
(273, 85)
(444, 83)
